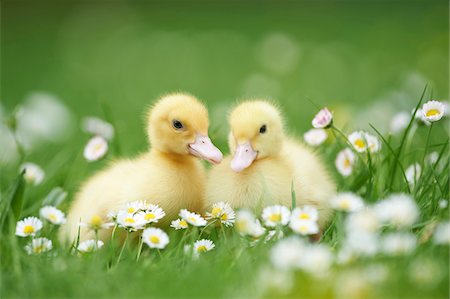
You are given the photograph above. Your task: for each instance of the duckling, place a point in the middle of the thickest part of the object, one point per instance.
(170, 174)
(265, 164)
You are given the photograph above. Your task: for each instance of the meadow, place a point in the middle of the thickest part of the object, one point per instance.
(373, 68)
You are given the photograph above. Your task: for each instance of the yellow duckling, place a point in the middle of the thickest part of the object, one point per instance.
(169, 175)
(265, 164)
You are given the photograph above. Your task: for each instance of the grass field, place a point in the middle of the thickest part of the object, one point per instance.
(365, 61)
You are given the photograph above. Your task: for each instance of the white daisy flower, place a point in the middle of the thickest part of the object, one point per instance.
(52, 215)
(306, 212)
(287, 253)
(97, 127)
(373, 143)
(344, 162)
(413, 173)
(135, 206)
(400, 122)
(323, 119)
(433, 110)
(361, 244)
(33, 173)
(276, 215)
(443, 203)
(247, 225)
(203, 245)
(399, 210)
(442, 233)
(347, 202)
(358, 141)
(28, 227)
(316, 259)
(38, 246)
(89, 246)
(398, 243)
(420, 117)
(131, 222)
(315, 137)
(96, 222)
(153, 215)
(155, 238)
(432, 158)
(179, 224)
(192, 218)
(304, 227)
(223, 211)
(362, 221)
(95, 149)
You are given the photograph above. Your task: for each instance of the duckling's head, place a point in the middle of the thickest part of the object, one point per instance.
(178, 124)
(256, 132)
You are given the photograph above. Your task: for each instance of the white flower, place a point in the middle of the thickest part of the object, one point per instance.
(52, 215)
(432, 158)
(307, 212)
(373, 143)
(358, 141)
(203, 245)
(192, 218)
(28, 227)
(223, 211)
(97, 127)
(96, 222)
(135, 206)
(323, 119)
(153, 214)
(347, 201)
(155, 238)
(398, 210)
(361, 243)
(286, 253)
(315, 137)
(131, 222)
(246, 224)
(89, 246)
(413, 173)
(95, 149)
(33, 173)
(442, 233)
(38, 246)
(304, 227)
(276, 215)
(179, 224)
(362, 221)
(400, 122)
(398, 243)
(345, 161)
(420, 117)
(316, 259)
(443, 203)
(433, 110)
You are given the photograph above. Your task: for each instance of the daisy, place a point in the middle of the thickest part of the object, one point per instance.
(345, 161)
(373, 143)
(308, 213)
(95, 149)
(399, 210)
(413, 173)
(247, 225)
(433, 110)
(316, 259)
(323, 119)
(276, 215)
(153, 215)
(96, 222)
(179, 224)
(155, 238)
(398, 243)
(89, 246)
(347, 202)
(33, 173)
(222, 211)
(420, 117)
(442, 233)
(443, 203)
(315, 137)
(203, 245)
(192, 218)
(131, 222)
(361, 243)
(362, 221)
(287, 253)
(304, 227)
(358, 141)
(52, 215)
(400, 122)
(135, 206)
(38, 246)
(28, 227)
(432, 158)
(97, 127)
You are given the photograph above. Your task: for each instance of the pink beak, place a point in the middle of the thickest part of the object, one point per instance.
(243, 157)
(205, 149)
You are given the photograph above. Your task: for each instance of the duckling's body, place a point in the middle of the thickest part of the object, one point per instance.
(173, 179)
(271, 175)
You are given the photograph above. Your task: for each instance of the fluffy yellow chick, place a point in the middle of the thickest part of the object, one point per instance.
(169, 175)
(265, 163)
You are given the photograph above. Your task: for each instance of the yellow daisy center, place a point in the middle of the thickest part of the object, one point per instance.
(98, 147)
(53, 217)
(360, 143)
(432, 112)
(201, 248)
(192, 219)
(38, 249)
(275, 217)
(149, 216)
(224, 217)
(303, 228)
(241, 225)
(183, 223)
(129, 220)
(28, 229)
(216, 211)
(154, 239)
(130, 210)
(304, 216)
(345, 204)
(96, 221)
(347, 163)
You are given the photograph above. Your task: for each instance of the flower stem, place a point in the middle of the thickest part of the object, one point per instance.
(141, 242)
(123, 247)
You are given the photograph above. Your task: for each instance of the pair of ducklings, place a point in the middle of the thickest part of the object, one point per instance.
(263, 166)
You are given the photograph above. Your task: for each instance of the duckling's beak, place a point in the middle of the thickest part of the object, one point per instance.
(243, 157)
(205, 149)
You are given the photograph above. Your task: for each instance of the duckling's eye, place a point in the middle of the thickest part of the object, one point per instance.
(177, 124)
(263, 129)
